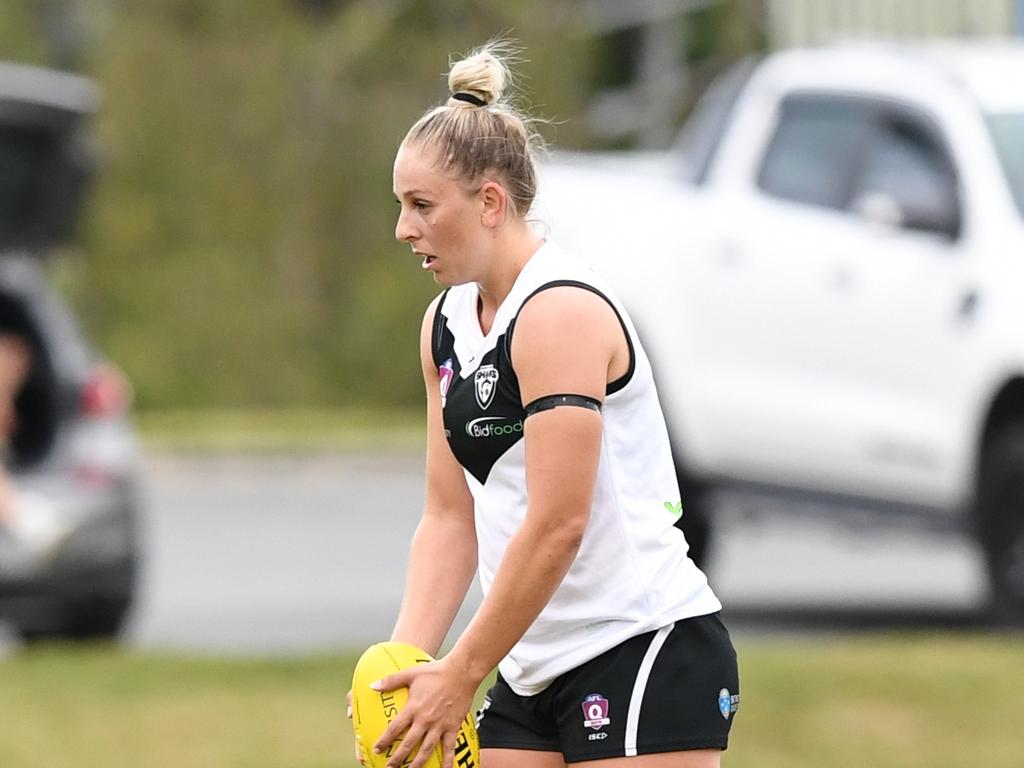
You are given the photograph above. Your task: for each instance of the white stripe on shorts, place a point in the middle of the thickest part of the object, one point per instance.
(640, 686)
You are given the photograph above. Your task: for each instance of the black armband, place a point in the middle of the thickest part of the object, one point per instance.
(555, 401)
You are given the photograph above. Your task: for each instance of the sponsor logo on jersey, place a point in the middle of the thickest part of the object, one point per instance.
(676, 509)
(595, 712)
(493, 426)
(446, 372)
(727, 703)
(486, 381)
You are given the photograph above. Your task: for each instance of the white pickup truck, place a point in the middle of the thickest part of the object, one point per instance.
(828, 272)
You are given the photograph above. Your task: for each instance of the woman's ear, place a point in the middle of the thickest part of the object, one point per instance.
(495, 204)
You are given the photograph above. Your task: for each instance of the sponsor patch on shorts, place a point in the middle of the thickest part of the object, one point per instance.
(727, 703)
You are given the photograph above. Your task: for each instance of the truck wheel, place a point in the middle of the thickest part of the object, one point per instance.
(695, 521)
(1001, 522)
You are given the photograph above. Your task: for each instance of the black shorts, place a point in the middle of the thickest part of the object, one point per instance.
(665, 691)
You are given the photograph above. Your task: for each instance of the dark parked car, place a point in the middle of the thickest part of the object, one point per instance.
(69, 553)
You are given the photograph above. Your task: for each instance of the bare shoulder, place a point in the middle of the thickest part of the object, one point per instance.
(566, 306)
(431, 312)
(427, 332)
(566, 339)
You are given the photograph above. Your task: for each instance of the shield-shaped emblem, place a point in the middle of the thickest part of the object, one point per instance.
(486, 380)
(595, 711)
(724, 703)
(445, 373)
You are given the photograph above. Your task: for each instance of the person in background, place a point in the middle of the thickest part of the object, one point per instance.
(15, 364)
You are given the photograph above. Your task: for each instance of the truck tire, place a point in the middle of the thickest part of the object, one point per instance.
(1001, 522)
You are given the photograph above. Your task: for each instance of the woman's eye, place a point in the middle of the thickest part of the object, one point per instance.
(421, 204)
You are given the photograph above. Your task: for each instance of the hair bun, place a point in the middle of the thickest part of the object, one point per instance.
(483, 75)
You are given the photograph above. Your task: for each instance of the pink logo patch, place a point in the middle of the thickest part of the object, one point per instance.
(447, 373)
(595, 711)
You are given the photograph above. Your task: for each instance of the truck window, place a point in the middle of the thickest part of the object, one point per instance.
(1008, 133)
(906, 163)
(811, 156)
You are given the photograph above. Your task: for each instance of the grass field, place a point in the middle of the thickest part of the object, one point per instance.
(290, 430)
(868, 701)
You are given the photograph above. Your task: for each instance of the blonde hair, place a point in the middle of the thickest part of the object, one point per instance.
(479, 133)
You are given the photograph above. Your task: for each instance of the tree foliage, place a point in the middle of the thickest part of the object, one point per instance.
(238, 249)
(239, 246)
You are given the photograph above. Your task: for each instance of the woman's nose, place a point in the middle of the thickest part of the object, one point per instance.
(403, 232)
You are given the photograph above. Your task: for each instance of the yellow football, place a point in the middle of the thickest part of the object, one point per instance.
(372, 711)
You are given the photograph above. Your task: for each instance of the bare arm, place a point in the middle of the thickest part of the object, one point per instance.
(566, 341)
(442, 557)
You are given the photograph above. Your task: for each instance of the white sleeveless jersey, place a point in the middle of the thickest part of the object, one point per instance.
(631, 574)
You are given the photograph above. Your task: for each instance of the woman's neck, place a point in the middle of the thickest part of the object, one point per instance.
(510, 258)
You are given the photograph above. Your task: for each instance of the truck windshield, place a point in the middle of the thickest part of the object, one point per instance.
(1008, 135)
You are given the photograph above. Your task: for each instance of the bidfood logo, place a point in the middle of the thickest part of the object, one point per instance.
(493, 426)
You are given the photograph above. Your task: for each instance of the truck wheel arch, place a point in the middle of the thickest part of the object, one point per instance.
(998, 512)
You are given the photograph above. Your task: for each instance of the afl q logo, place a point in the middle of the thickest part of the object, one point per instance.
(486, 380)
(595, 711)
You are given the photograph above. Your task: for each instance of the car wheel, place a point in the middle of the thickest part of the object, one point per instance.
(1001, 522)
(98, 619)
(101, 619)
(694, 522)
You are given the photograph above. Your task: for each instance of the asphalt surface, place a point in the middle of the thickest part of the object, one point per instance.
(300, 554)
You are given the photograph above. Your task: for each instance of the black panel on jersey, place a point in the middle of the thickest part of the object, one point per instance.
(483, 413)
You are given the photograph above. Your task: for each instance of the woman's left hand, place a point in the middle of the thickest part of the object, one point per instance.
(440, 697)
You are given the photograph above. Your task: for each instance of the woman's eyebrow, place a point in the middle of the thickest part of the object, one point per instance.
(414, 192)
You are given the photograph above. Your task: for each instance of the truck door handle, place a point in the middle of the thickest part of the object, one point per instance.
(728, 253)
(842, 279)
(968, 305)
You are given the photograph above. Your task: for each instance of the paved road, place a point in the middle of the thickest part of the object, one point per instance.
(283, 555)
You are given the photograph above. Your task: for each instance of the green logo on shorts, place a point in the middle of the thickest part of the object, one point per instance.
(676, 509)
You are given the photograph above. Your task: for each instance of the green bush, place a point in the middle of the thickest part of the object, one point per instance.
(239, 249)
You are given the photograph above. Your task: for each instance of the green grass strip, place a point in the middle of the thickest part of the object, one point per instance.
(878, 701)
(282, 431)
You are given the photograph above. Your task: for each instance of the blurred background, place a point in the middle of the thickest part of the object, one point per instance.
(212, 424)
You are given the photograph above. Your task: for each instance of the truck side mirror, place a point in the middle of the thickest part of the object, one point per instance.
(940, 216)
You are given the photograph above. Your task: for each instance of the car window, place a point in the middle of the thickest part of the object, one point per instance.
(23, 156)
(1008, 133)
(811, 156)
(904, 162)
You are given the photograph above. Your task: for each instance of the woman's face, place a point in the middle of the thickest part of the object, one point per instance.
(439, 218)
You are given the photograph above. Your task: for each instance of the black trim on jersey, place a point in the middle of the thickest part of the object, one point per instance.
(550, 402)
(613, 386)
(437, 331)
